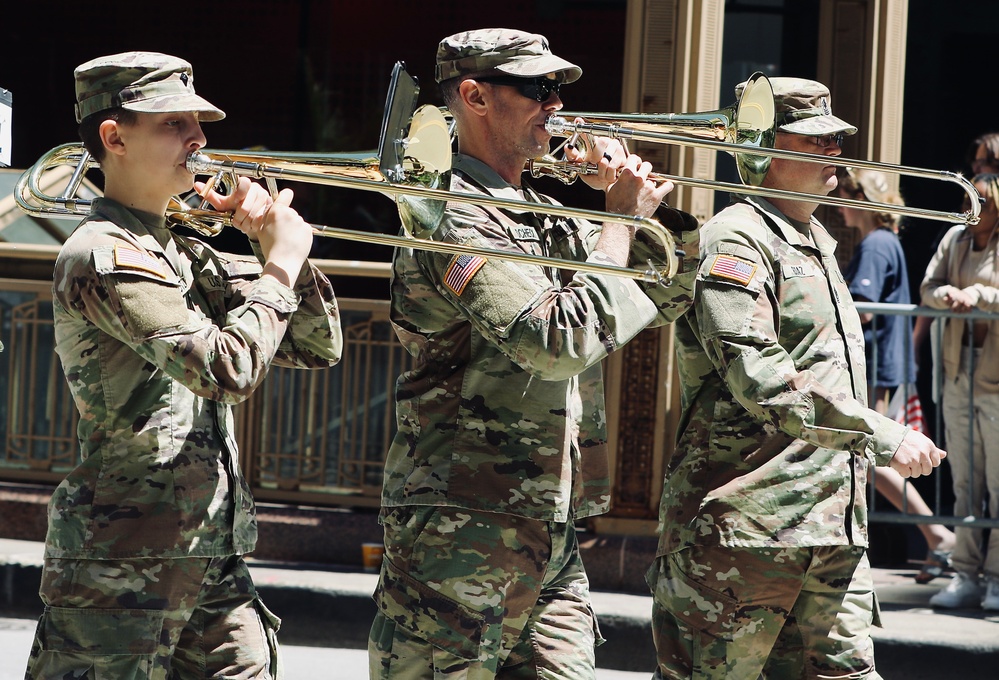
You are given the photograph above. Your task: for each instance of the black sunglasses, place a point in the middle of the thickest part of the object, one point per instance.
(824, 141)
(539, 89)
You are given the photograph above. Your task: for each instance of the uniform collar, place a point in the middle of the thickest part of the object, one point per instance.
(149, 229)
(820, 238)
(489, 180)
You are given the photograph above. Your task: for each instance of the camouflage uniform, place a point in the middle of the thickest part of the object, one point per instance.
(501, 440)
(764, 516)
(159, 336)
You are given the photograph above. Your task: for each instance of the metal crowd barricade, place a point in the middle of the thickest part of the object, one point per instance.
(971, 517)
(308, 437)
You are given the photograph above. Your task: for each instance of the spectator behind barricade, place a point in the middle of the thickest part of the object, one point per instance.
(964, 276)
(983, 154)
(878, 273)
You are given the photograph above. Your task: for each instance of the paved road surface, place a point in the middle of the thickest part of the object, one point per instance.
(300, 663)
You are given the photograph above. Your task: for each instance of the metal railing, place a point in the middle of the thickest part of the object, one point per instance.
(972, 517)
(310, 437)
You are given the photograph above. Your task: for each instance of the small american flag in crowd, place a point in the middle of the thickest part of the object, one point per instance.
(906, 408)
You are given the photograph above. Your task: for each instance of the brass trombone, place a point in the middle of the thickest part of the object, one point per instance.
(408, 167)
(733, 129)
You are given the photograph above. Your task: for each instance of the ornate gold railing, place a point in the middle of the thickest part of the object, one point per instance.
(305, 436)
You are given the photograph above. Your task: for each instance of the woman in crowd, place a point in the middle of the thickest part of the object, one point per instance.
(964, 276)
(983, 154)
(877, 273)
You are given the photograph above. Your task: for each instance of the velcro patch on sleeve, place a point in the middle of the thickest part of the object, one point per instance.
(133, 258)
(461, 270)
(733, 268)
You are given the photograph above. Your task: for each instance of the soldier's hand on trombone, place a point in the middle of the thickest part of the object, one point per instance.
(248, 204)
(285, 239)
(635, 191)
(632, 193)
(606, 153)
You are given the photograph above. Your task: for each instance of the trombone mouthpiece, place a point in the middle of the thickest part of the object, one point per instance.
(557, 125)
(200, 164)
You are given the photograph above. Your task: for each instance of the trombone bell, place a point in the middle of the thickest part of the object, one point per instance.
(748, 123)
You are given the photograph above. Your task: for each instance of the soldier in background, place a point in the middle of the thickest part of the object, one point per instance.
(762, 564)
(501, 441)
(159, 335)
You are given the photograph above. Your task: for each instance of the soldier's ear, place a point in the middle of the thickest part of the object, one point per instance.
(111, 138)
(474, 96)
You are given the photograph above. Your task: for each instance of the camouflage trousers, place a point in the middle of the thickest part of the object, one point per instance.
(466, 595)
(152, 618)
(775, 613)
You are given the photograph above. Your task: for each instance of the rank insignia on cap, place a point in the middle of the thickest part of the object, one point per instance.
(133, 258)
(461, 270)
(733, 268)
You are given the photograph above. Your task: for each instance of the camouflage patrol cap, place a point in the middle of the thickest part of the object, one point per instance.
(803, 108)
(147, 82)
(509, 51)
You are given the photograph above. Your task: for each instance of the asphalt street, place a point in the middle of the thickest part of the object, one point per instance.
(300, 663)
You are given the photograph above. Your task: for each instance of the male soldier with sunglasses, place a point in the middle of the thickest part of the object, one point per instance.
(501, 441)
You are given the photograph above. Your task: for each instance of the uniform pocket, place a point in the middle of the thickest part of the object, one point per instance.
(271, 625)
(111, 643)
(598, 638)
(697, 605)
(428, 615)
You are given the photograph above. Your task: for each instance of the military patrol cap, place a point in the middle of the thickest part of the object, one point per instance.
(803, 108)
(503, 50)
(147, 82)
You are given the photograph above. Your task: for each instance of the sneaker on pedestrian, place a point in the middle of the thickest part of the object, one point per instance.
(963, 591)
(991, 600)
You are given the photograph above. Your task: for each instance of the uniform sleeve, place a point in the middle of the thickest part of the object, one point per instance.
(553, 330)
(672, 298)
(737, 311)
(135, 299)
(314, 338)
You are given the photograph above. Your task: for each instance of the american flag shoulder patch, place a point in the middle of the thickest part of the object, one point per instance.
(733, 268)
(461, 270)
(133, 258)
